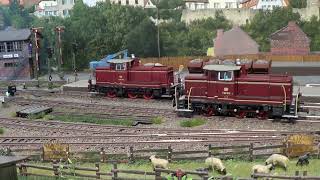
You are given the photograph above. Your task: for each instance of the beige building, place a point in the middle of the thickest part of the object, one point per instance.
(54, 8)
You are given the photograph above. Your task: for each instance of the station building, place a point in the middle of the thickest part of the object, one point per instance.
(16, 60)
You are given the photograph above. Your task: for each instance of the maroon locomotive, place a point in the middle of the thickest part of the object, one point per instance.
(230, 90)
(129, 78)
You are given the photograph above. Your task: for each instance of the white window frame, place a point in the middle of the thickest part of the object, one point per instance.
(120, 66)
(229, 79)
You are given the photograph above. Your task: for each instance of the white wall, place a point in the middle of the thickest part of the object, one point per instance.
(222, 4)
(270, 4)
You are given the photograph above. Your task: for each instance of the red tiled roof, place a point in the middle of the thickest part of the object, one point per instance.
(234, 42)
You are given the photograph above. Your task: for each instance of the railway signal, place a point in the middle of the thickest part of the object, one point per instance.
(59, 30)
(37, 37)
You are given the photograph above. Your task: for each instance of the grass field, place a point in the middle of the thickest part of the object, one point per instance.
(235, 168)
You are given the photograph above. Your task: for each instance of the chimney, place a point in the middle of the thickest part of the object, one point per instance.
(291, 23)
(219, 32)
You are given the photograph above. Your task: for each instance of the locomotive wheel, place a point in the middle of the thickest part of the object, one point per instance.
(132, 95)
(262, 115)
(111, 94)
(209, 111)
(148, 95)
(241, 115)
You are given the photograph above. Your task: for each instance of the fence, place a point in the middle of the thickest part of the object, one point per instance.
(295, 177)
(249, 151)
(177, 61)
(58, 171)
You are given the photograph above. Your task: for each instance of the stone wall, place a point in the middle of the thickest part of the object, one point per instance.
(241, 16)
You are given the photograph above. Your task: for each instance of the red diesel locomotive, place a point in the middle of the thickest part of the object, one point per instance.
(129, 78)
(230, 90)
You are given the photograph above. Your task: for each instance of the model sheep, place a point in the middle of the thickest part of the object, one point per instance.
(278, 159)
(303, 159)
(159, 163)
(216, 164)
(264, 169)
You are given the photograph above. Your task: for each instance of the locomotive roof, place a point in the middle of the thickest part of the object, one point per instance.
(214, 67)
(120, 60)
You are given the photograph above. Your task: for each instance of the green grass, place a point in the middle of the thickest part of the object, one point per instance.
(235, 168)
(1, 130)
(157, 120)
(192, 122)
(94, 120)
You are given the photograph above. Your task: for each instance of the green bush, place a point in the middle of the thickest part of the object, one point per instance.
(192, 122)
(1, 130)
(157, 120)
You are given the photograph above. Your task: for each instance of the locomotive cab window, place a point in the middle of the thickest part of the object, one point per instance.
(120, 66)
(225, 75)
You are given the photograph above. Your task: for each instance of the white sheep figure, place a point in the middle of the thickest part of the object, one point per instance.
(263, 169)
(159, 163)
(216, 164)
(278, 159)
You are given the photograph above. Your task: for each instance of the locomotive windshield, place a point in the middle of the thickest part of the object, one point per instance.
(225, 75)
(120, 66)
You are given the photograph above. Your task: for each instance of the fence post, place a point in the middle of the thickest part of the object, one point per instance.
(97, 171)
(157, 174)
(169, 153)
(319, 151)
(131, 158)
(55, 168)
(251, 152)
(115, 171)
(209, 150)
(253, 176)
(305, 173)
(102, 155)
(297, 174)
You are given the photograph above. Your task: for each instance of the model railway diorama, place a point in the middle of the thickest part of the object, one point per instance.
(230, 88)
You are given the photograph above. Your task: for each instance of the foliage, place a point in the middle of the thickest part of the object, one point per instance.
(192, 122)
(157, 120)
(298, 3)
(5, 152)
(312, 29)
(265, 23)
(1, 130)
(94, 120)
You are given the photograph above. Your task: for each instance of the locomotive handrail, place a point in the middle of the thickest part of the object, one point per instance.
(175, 97)
(285, 97)
(189, 97)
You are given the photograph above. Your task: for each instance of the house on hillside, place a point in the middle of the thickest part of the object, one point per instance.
(234, 42)
(16, 54)
(212, 4)
(290, 40)
(24, 3)
(60, 8)
(137, 3)
(264, 4)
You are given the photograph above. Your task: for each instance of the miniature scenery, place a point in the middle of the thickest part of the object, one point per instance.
(159, 89)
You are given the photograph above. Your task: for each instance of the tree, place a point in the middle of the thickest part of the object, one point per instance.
(298, 3)
(142, 39)
(312, 29)
(267, 22)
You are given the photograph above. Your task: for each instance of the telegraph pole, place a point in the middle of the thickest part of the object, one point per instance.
(36, 32)
(59, 30)
(74, 48)
(158, 29)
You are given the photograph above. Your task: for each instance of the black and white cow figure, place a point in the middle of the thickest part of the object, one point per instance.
(303, 160)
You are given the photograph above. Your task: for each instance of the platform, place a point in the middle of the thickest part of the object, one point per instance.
(33, 111)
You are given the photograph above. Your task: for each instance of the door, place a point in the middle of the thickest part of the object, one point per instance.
(121, 75)
(225, 85)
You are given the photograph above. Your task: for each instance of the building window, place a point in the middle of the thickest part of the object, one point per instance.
(216, 5)
(228, 4)
(65, 12)
(18, 46)
(10, 47)
(63, 2)
(225, 75)
(11, 64)
(2, 47)
(136, 1)
(119, 2)
(127, 2)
